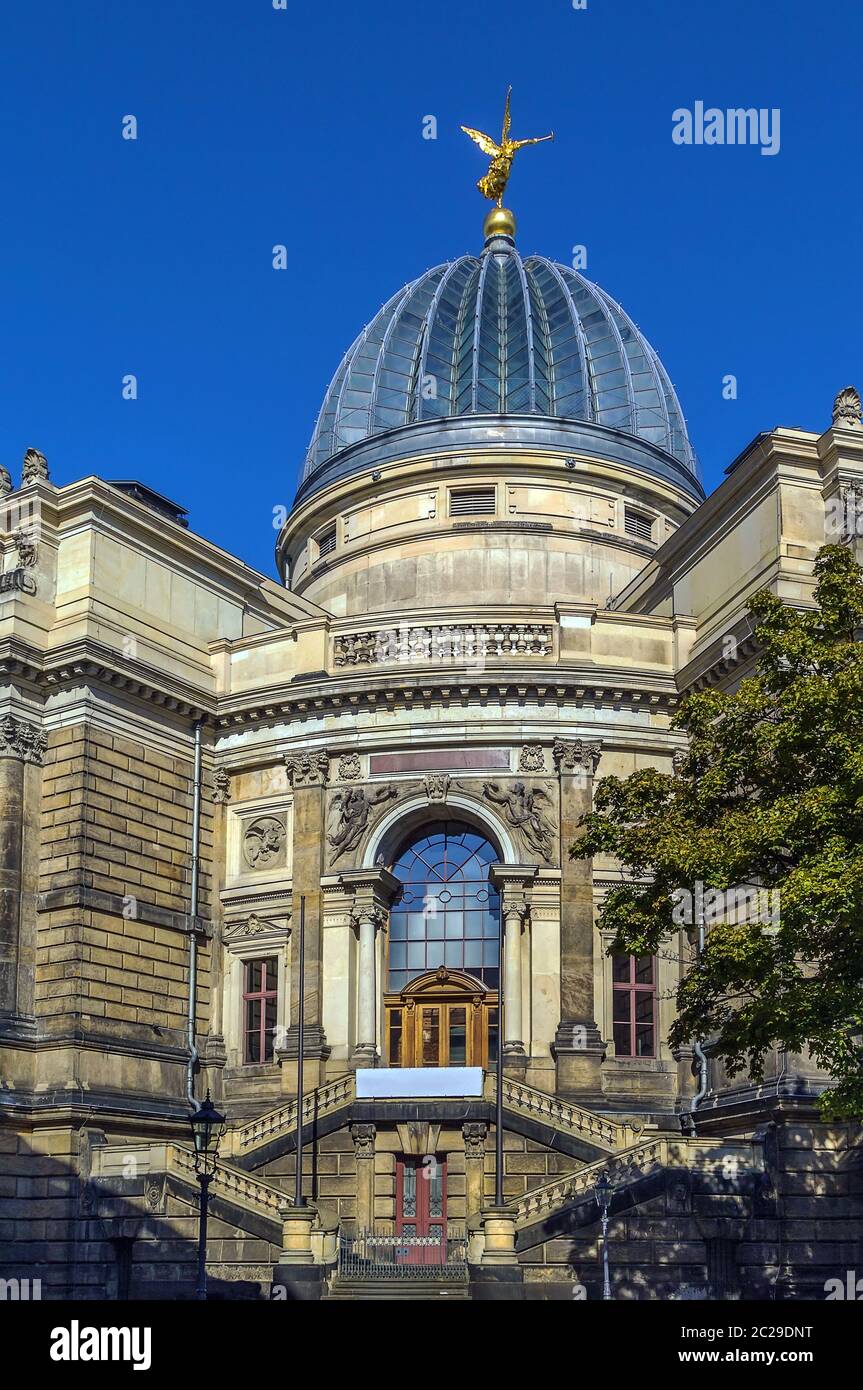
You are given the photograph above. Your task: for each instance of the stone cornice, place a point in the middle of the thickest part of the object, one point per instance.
(403, 690)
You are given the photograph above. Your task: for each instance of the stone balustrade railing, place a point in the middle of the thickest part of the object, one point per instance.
(284, 1119)
(595, 1129)
(448, 644)
(727, 1159)
(230, 1183)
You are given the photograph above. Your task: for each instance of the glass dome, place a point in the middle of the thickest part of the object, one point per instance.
(499, 335)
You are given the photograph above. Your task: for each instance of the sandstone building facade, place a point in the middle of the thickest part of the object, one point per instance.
(500, 574)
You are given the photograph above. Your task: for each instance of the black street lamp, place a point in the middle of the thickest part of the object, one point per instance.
(208, 1126)
(602, 1191)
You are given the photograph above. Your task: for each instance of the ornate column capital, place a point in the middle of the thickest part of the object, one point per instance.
(364, 1140)
(308, 769)
(475, 1133)
(22, 740)
(368, 913)
(577, 756)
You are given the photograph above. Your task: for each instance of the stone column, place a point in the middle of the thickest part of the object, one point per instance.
(578, 1048)
(373, 891)
(474, 1132)
(514, 883)
(364, 1149)
(308, 774)
(20, 743)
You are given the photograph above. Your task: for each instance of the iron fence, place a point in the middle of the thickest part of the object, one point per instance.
(385, 1253)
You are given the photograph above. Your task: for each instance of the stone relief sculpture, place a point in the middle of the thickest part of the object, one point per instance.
(221, 785)
(350, 768)
(264, 843)
(522, 810)
(5, 481)
(308, 769)
(18, 739)
(531, 758)
(34, 467)
(353, 809)
(26, 547)
(436, 786)
(578, 755)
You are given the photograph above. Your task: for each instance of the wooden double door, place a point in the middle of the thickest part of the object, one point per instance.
(442, 1020)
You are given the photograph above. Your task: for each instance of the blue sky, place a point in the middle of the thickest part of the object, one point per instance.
(303, 126)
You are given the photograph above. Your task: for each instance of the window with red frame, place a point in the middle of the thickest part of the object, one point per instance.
(260, 1003)
(634, 1006)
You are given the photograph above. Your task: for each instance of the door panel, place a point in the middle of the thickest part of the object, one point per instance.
(441, 1032)
(421, 1210)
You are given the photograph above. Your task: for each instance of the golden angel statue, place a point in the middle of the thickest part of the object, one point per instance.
(492, 184)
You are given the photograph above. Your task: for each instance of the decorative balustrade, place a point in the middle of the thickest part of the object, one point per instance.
(596, 1129)
(449, 644)
(229, 1182)
(726, 1159)
(284, 1119)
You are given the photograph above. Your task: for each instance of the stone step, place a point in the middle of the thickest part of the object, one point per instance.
(425, 1290)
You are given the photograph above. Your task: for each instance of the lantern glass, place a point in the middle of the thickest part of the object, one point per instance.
(207, 1128)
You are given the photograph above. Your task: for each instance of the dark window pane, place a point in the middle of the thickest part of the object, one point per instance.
(622, 1043)
(620, 966)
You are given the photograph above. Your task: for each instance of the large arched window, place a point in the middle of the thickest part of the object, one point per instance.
(447, 913)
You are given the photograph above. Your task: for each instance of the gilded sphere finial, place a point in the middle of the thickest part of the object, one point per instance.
(499, 222)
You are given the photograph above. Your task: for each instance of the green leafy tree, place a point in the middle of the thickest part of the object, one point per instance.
(770, 794)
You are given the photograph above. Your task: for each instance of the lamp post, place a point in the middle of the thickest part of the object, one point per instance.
(208, 1126)
(602, 1192)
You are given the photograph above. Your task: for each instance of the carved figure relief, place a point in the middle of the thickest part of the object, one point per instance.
(523, 810)
(264, 843)
(352, 809)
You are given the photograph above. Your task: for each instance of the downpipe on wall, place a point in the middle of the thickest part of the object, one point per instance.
(193, 913)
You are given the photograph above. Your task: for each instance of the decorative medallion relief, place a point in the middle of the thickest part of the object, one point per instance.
(350, 767)
(264, 843)
(531, 758)
(526, 809)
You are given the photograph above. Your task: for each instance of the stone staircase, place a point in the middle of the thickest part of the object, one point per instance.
(428, 1291)
(722, 1159)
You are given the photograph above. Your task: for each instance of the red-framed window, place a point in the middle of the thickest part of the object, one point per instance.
(260, 1005)
(634, 1005)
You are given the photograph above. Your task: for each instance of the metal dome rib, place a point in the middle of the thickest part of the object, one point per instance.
(499, 335)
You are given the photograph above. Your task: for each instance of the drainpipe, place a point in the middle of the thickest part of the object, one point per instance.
(697, 1048)
(193, 913)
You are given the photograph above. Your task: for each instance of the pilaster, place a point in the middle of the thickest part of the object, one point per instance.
(578, 1047)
